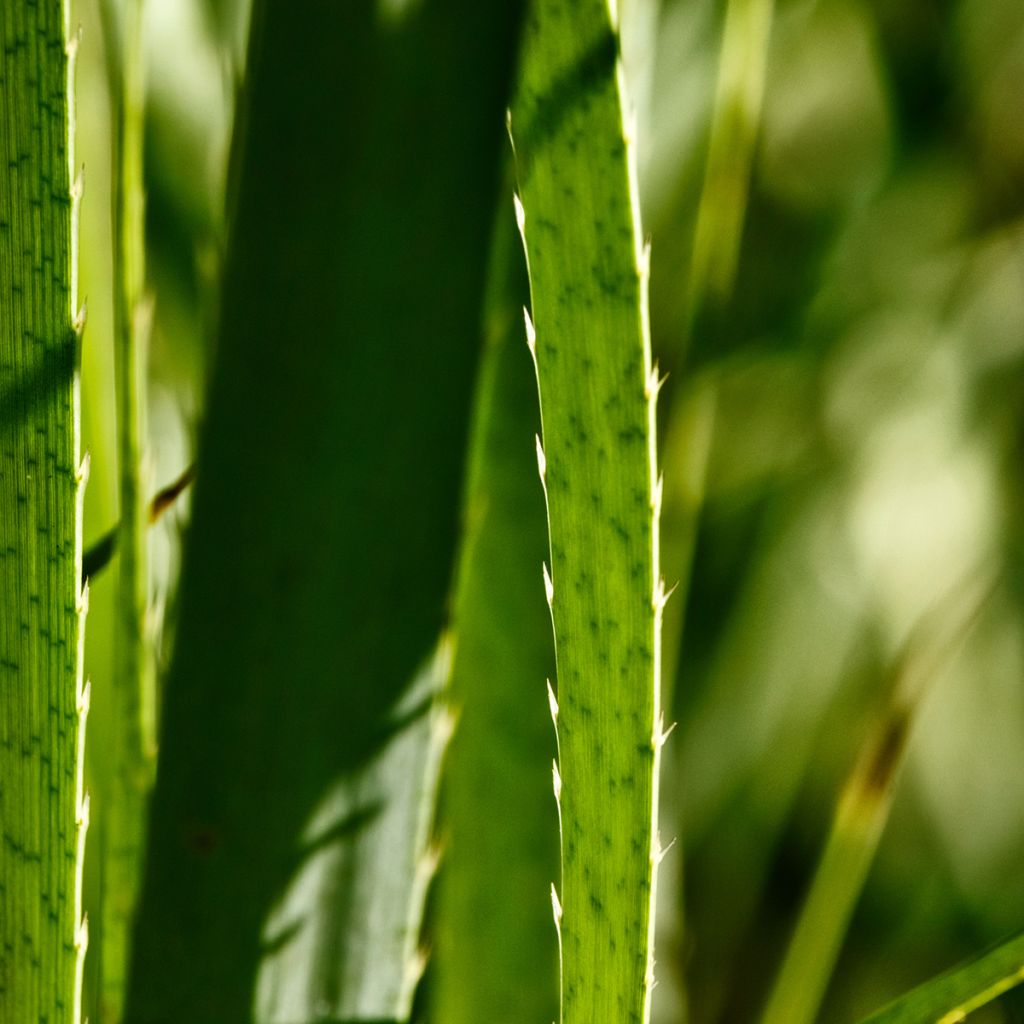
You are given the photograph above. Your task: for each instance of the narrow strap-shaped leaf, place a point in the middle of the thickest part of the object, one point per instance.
(132, 688)
(590, 339)
(949, 998)
(862, 810)
(495, 953)
(285, 854)
(734, 128)
(42, 703)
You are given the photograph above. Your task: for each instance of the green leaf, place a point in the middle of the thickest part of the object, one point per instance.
(131, 697)
(734, 129)
(42, 811)
(862, 811)
(495, 951)
(949, 998)
(590, 338)
(299, 731)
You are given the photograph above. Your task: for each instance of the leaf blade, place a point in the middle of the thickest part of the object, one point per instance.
(589, 333)
(951, 996)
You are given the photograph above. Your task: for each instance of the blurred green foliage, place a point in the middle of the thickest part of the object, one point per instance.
(858, 397)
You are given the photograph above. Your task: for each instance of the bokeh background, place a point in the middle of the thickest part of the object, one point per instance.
(834, 190)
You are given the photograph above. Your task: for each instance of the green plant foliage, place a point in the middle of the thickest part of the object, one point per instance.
(862, 810)
(734, 128)
(495, 952)
(299, 732)
(833, 191)
(951, 997)
(589, 336)
(42, 811)
(132, 693)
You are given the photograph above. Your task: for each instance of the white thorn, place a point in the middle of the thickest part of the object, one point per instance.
(430, 861)
(661, 596)
(654, 383)
(643, 264)
(663, 733)
(531, 332)
(660, 854)
(552, 704)
(82, 814)
(659, 487)
(82, 934)
(84, 698)
(83, 469)
(549, 587)
(520, 214)
(556, 781)
(629, 126)
(446, 721)
(416, 965)
(78, 185)
(83, 600)
(542, 462)
(556, 907)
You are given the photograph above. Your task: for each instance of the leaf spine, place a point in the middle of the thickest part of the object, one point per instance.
(663, 733)
(82, 476)
(520, 215)
(656, 495)
(531, 334)
(552, 704)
